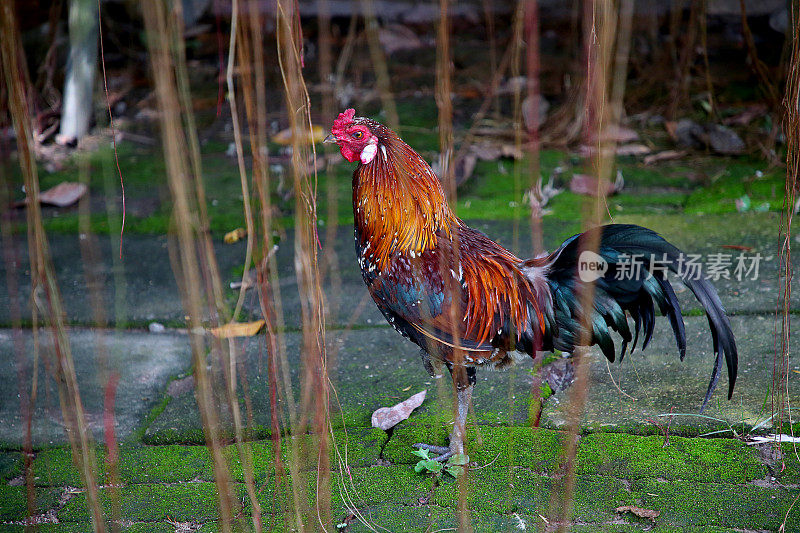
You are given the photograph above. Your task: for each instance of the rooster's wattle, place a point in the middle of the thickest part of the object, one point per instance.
(468, 302)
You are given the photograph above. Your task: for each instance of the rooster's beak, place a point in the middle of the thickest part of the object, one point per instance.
(330, 139)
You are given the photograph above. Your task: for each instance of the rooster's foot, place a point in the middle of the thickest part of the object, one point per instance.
(444, 452)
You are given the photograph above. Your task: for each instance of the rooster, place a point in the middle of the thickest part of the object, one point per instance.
(467, 302)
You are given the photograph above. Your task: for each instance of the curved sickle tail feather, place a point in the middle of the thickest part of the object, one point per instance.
(625, 289)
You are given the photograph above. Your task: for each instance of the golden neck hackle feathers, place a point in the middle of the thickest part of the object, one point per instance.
(398, 202)
(400, 207)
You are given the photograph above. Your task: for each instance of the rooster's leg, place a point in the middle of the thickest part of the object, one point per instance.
(465, 383)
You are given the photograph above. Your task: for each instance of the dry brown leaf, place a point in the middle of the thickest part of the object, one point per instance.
(633, 149)
(234, 236)
(486, 151)
(748, 115)
(509, 150)
(394, 37)
(64, 194)
(672, 129)
(237, 329)
(666, 155)
(469, 92)
(388, 417)
(586, 184)
(638, 511)
(464, 167)
(285, 138)
(618, 134)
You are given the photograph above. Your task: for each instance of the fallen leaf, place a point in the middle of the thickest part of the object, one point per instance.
(200, 104)
(469, 92)
(234, 236)
(508, 150)
(538, 104)
(394, 37)
(666, 155)
(633, 149)
(64, 194)
(388, 417)
(237, 329)
(618, 134)
(285, 137)
(492, 150)
(486, 151)
(464, 167)
(586, 184)
(638, 511)
(746, 116)
(245, 283)
(672, 129)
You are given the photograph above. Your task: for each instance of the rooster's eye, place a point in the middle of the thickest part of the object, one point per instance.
(357, 135)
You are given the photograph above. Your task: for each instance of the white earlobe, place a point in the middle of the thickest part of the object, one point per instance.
(368, 153)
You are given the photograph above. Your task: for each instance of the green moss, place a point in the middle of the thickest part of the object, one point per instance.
(377, 485)
(141, 431)
(150, 527)
(735, 180)
(532, 448)
(10, 465)
(400, 518)
(785, 468)
(509, 490)
(128, 527)
(737, 506)
(702, 460)
(631, 528)
(494, 192)
(54, 467)
(14, 502)
(165, 464)
(182, 502)
(269, 524)
(431, 430)
(691, 233)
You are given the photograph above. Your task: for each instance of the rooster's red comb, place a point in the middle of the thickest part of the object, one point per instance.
(342, 121)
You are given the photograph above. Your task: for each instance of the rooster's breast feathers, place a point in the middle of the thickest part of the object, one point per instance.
(473, 295)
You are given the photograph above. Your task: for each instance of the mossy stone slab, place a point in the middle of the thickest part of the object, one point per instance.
(14, 501)
(677, 458)
(744, 506)
(181, 502)
(369, 368)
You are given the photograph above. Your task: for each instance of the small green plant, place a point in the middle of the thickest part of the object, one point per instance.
(454, 465)
(545, 391)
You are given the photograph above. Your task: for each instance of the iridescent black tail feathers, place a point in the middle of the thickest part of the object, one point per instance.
(629, 272)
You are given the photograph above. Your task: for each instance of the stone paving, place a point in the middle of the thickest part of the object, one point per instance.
(628, 454)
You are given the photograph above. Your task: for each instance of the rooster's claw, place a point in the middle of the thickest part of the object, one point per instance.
(444, 452)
